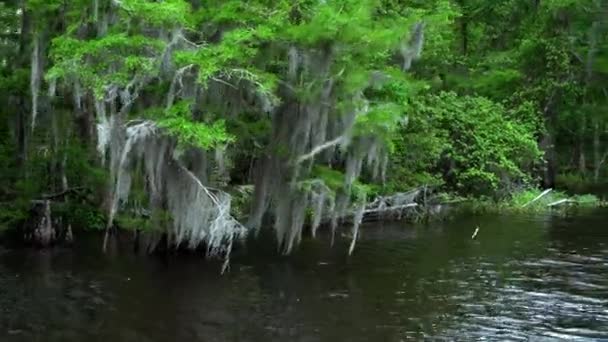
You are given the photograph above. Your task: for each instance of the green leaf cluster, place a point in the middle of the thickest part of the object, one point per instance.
(178, 122)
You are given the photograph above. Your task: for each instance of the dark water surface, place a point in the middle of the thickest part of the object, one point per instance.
(523, 278)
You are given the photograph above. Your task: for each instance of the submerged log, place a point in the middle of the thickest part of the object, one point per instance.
(386, 207)
(394, 206)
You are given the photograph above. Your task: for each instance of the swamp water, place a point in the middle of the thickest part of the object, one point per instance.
(523, 277)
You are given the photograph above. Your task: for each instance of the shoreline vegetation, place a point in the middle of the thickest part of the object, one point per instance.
(412, 207)
(534, 201)
(195, 124)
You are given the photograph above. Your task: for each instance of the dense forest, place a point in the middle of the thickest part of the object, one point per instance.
(194, 122)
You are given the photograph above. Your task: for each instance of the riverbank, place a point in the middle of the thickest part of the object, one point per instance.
(414, 206)
(534, 201)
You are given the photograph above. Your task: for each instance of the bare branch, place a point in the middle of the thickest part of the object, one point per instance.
(318, 149)
(62, 193)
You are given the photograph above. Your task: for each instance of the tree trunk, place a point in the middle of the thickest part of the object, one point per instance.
(582, 159)
(22, 113)
(464, 28)
(40, 230)
(597, 155)
(69, 236)
(547, 145)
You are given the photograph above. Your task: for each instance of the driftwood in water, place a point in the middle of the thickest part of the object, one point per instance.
(392, 209)
(385, 207)
(394, 206)
(560, 202)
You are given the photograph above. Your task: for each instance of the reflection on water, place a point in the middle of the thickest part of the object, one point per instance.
(522, 278)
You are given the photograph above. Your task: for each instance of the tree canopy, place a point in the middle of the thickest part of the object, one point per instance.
(166, 111)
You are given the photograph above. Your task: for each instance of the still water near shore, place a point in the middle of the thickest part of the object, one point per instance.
(523, 277)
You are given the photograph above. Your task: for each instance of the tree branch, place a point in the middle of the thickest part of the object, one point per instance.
(62, 193)
(321, 148)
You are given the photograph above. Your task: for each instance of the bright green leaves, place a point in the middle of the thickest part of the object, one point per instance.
(196, 134)
(333, 179)
(112, 46)
(179, 123)
(483, 147)
(114, 59)
(353, 76)
(333, 21)
(140, 64)
(387, 110)
(248, 13)
(229, 62)
(236, 46)
(167, 13)
(348, 23)
(123, 52)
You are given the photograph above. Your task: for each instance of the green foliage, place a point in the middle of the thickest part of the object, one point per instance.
(348, 23)
(414, 161)
(381, 122)
(81, 215)
(179, 123)
(555, 202)
(520, 199)
(497, 81)
(111, 60)
(588, 200)
(167, 13)
(130, 222)
(335, 181)
(480, 148)
(571, 181)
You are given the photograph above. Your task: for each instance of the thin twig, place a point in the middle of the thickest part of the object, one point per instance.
(475, 233)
